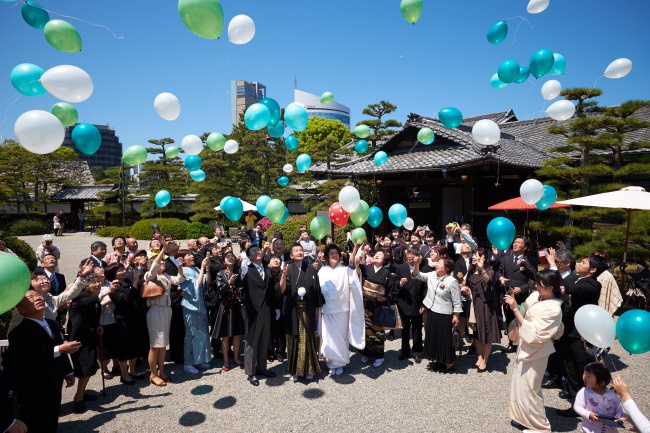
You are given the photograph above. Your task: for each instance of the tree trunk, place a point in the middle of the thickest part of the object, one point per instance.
(584, 180)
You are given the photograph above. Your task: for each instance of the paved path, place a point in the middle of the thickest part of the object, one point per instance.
(401, 396)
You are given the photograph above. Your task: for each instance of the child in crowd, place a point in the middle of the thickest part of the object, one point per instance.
(597, 405)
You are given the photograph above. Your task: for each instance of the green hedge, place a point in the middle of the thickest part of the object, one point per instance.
(113, 231)
(177, 228)
(28, 227)
(289, 228)
(22, 250)
(197, 229)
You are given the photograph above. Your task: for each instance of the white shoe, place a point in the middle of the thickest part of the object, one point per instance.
(364, 359)
(294, 378)
(204, 365)
(339, 371)
(190, 369)
(309, 377)
(332, 371)
(378, 362)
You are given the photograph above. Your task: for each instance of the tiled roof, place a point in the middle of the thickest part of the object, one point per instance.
(500, 118)
(84, 192)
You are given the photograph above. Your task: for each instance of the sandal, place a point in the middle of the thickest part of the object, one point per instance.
(226, 368)
(167, 379)
(157, 381)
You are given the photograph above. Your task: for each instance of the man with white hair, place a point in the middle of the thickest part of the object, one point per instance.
(47, 247)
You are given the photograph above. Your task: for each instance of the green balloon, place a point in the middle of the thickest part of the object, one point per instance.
(319, 227)
(360, 214)
(62, 36)
(425, 135)
(135, 155)
(66, 113)
(411, 10)
(216, 141)
(326, 98)
(203, 17)
(275, 210)
(362, 131)
(359, 235)
(172, 152)
(15, 280)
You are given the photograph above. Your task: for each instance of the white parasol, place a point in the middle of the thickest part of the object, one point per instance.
(247, 207)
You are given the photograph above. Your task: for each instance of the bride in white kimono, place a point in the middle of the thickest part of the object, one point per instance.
(342, 321)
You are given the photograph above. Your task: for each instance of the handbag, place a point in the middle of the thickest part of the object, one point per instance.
(151, 289)
(456, 341)
(387, 316)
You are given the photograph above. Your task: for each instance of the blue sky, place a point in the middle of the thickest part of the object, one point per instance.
(361, 50)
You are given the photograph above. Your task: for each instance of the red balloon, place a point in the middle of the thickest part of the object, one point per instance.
(338, 215)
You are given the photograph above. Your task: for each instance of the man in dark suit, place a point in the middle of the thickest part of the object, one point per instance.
(177, 327)
(57, 280)
(259, 297)
(515, 272)
(409, 302)
(36, 364)
(8, 410)
(97, 254)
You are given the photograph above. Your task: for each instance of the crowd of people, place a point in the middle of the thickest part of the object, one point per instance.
(308, 301)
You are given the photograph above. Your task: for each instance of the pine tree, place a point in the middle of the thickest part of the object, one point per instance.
(379, 126)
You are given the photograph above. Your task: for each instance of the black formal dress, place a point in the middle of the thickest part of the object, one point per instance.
(375, 336)
(130, 321)
(230, 317)
(259, 301)
(177, 326)
(486, 304)
(35, 374)
(83, 322)
(409, 301)
(518, 276)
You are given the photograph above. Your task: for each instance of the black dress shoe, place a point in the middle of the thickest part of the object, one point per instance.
(90, 397)
(551, 383)
(127, 382)
(510, 349)
(516, 425)
(266, 373)
(570, 413)
(138, 376)
(417, 359)
(79, 407)
(280, 357)
(565, 395)
(253, 381)
(481, 370)
(390, 336)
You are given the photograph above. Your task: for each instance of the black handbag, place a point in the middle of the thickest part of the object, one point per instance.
(387, 316)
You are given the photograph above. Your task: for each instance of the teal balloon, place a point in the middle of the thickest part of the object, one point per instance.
(197, 175)
(291, 143)
(296, 117)
(501, 232)
(275, 210)
(375, 216)
(559, 64)
(496, 82)
(256, 117)
(380, 158)
(277, 130)
(223, 200)
(397, 214)
(34, 14)
(508, 71)
(497, 32)
(193, 163)
(361, 147)
(541, 62)
(14, 281)
(274, 111)
(233, 208)
(283, 181)
(261, 203)
(25, 78)
(319, 227)
(450, 117)
(633, 331)
(303, 162)
(547, 200)
(86, 138)
(163, 198)
(524, 73)
(285, 216)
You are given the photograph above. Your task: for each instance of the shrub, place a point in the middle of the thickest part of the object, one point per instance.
(289, 228)
(22, 250)
(177, 228)
(112, 231)
(27, 227)
(197, 229)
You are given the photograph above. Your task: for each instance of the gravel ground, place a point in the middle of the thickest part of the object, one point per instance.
(400, 396)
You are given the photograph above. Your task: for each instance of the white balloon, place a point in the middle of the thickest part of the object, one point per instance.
(537, 6)
(349, 198)
(231, 146)
(618, 68)
(561, 110)
(551, 89)
(167, 106)
(241, 30)
(531, 191)
(192, 144)
(39, 131)
(486, 131)
(409, 224)
(595, 325)
(288, 168)
(68, 83)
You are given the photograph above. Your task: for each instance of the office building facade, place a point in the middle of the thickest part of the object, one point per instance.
(242, 95)
(109, 153)
(315, 108)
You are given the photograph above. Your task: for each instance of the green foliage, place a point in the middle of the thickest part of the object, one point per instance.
(22, 250)
(197, 229)
(113, 231)
(176, 227)
(322, 138)
(27, 227)
(289, 228)
(380, 127)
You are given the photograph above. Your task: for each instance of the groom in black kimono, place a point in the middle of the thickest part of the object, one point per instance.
(259, 299)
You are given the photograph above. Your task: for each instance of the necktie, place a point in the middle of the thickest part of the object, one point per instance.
(54, 283)
(517, 258)
(260, 269)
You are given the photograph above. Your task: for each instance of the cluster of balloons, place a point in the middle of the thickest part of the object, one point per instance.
(542, 62)
(266, 114)
(597, 327)
(533, 192)
(167, 106)
(261, 203)
(59, 34)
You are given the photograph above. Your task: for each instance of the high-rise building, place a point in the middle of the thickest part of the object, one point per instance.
(242, 95)
(109, 153)
(315, 108)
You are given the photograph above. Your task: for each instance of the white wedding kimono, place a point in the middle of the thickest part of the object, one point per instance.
(342, 320)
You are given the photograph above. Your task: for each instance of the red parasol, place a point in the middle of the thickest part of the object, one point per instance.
(518, 204)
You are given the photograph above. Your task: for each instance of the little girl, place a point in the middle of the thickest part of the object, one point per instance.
(595, 399)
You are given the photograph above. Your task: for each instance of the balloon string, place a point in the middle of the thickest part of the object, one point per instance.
(11, 101)
(79, 19)
(522, 19)
(595, 83)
